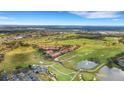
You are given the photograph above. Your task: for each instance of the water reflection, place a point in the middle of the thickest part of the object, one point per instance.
(85, 64)
(113, 74)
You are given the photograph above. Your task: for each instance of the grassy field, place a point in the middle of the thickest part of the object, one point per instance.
(89, 49)
(24, 56)
(19, 57)
(61, 72)
(97, 49)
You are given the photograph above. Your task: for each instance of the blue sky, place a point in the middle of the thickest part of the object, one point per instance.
(62, 18)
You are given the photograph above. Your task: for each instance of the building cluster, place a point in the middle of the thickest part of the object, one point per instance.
(25, 74)
(56, 51)
(17, 37)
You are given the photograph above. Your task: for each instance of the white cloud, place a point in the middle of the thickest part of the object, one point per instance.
(100, 14)
(3, 18)
(6, 20)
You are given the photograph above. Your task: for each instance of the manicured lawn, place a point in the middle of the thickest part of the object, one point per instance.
(92, 49)
(89, 48)
(87, 76)
(61, 72)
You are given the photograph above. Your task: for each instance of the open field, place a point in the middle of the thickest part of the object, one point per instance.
(64, 69)
(19, 57)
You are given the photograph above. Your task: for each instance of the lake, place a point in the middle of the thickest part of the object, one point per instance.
(110, 74)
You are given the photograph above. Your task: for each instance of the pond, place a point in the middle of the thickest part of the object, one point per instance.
(110, 74)
(85, 64)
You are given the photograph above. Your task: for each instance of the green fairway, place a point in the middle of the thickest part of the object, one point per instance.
(89, 48)
(92, 49)
(61, 73)
(64, 67)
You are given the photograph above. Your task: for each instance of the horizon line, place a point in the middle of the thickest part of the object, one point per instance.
(52, 25)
